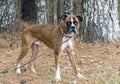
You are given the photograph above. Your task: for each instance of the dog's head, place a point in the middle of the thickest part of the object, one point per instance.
(70, 24)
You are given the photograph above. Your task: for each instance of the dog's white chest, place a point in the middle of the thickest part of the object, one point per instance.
(66, 42)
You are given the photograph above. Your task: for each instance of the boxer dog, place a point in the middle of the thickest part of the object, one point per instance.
(52, 36)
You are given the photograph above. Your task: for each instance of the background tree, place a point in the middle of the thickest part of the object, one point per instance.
(41, 11)
(28, 10)
(68, 6)
(77, 7)
(100, 20)
(52, 11)
(60, 9)
(7, 14)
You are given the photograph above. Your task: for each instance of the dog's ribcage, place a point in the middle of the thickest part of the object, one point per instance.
(67, 43)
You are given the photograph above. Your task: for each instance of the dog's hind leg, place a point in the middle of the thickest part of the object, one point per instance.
(35, 50)
(24, 51)
(27, 41)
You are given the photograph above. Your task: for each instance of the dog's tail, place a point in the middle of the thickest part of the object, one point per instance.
(26, 25)
(23, 24)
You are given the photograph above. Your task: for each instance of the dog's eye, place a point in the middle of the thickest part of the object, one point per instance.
(69, 23)
(75, 22)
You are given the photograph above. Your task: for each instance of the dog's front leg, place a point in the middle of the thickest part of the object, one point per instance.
(72, 60)
(57, 67)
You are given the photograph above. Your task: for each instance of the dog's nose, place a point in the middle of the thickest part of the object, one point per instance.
(73, 27)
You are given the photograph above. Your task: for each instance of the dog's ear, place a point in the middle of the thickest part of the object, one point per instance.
(63, 17)
(80, 18)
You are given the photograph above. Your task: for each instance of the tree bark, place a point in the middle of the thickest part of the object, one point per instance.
(18, 8)
(77, 7)
(7, 14)
(100, 21)
(68, 6)
(29, 10)
(52, 11)
(60, 9)
(41, 12)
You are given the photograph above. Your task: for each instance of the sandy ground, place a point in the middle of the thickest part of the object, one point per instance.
(93, 61)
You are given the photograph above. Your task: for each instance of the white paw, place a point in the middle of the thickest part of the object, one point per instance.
(80, 75)
(18, 70)
(33, 70)
(57, 79)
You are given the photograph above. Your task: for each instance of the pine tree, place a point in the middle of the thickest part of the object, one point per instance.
(7, 14)
(100, 22)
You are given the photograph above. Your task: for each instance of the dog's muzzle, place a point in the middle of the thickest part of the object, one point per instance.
(72, 29)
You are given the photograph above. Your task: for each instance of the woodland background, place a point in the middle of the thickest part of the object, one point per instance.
(100, 63)
(96, 18)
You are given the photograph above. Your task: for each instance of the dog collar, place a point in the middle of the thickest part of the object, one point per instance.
(62, 31)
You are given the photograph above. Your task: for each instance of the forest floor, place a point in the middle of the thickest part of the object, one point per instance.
(100, 64)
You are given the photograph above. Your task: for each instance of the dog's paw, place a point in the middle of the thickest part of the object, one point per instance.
(33, 70)
(57, 79)
(80, 75)
(18, 70)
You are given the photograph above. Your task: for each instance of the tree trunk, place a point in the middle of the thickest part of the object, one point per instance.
(77, 7)
(18, 8)
(52, 11)
(68, 6)
(41, 11)
(29, 10)
(100, 21)
(7, 14)
(60, 9)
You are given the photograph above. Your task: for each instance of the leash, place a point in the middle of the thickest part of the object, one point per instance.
(30, 61)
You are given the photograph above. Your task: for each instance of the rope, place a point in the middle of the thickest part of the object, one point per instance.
(44, 53)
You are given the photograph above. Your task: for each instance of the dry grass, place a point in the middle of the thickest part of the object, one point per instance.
(4, 44)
